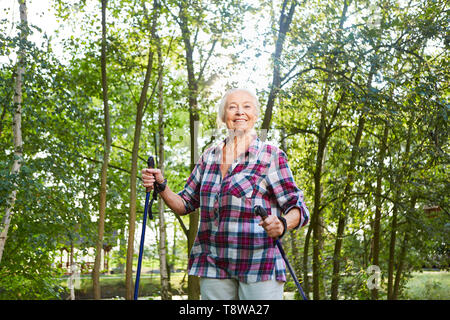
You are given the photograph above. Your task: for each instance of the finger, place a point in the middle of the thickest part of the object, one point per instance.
(150, 179)
(273, 226)
(147, 172)
(267, 221)
(270, 220)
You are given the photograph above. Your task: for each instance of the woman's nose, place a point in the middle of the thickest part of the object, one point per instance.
(239, 110)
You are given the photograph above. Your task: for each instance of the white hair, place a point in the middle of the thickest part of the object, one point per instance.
(223, 102)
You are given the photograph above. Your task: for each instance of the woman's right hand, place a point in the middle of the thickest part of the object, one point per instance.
(149, 176)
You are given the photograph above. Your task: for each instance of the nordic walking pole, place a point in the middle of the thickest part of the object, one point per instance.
(150, 164)
(260, 211)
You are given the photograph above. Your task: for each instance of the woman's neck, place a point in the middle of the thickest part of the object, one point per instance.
(237, 143)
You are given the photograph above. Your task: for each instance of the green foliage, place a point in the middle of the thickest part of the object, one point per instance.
(379, 66)
(385, 62)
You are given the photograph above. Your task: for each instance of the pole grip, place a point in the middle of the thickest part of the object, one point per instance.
(260, 211)
(150, 165)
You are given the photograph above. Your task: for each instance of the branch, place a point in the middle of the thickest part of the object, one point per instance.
(295, 75)
(129, 151)
(172, 14)
(329, 129)
(200, 75)
(340, 74)
(159, 76)
(119, 147)
(129, 88)
(298, 130)
(110, 165)
(183, 226)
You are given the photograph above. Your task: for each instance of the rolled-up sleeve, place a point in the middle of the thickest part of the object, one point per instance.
(281, 182)
(191, 192)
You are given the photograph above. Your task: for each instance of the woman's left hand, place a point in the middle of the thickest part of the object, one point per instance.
(273, 226)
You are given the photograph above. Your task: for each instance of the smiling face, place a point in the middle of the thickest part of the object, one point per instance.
(240, 111)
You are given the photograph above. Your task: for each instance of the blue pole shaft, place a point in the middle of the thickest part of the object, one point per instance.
(297, 283)
(141, 248)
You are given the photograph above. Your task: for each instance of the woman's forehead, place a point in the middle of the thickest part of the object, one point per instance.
(240, 96)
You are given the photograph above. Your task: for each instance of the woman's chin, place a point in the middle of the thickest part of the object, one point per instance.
(239, 131)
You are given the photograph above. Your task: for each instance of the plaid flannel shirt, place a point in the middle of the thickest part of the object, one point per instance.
(229, 242)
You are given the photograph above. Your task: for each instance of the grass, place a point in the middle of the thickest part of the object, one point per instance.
(426, 285)
(113, 286)
(429, 285)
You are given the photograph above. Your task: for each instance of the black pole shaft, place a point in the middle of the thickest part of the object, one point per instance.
(147, 208)
(260, 211)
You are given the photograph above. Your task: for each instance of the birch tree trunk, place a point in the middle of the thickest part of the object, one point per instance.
(165, 285)
(104, 173)
(71, 284)
(17, 125)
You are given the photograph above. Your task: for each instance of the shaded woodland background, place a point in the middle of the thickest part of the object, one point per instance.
(355, 92)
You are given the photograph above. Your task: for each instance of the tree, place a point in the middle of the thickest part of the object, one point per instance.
(104, 172)
(283, 29)
(350, 77)
(163, 264)
(17, 124)
(134, 164)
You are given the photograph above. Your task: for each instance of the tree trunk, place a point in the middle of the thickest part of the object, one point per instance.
(72, 273)
(378, 204)
(104, 173)
(392, 251)
(17, 125)
(122, 249)
(316, 220)
(401, 259)
(342, 216)
(134, 164)
(165, 284)
(306, 286)
(392, 245)
(284, 24)
(193, 282)
(400, 267)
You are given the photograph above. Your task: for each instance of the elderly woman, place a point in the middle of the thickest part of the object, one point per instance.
(234, 252)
